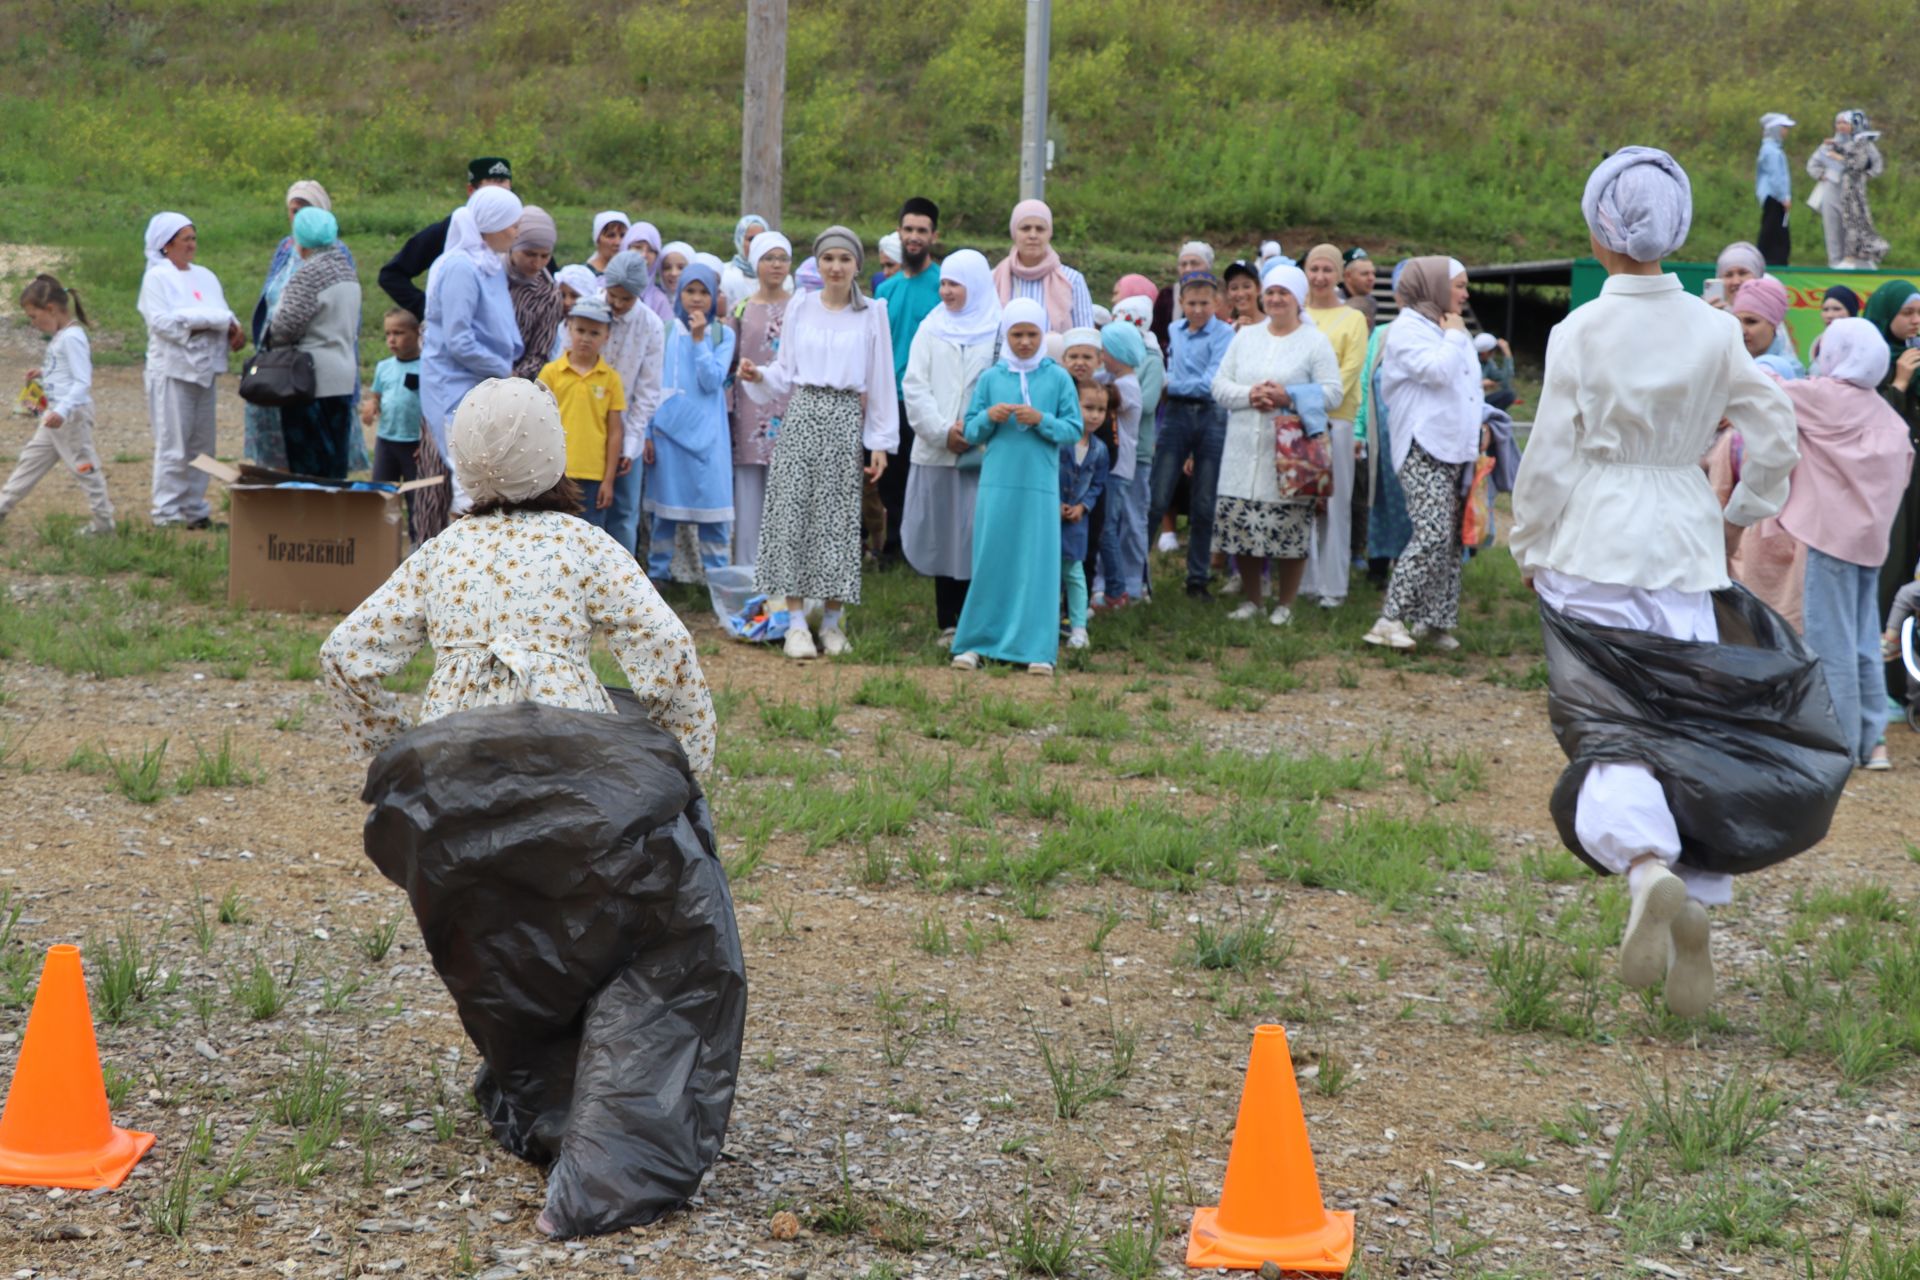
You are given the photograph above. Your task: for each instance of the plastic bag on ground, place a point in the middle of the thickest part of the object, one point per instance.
(1741, 734)
(561, 865)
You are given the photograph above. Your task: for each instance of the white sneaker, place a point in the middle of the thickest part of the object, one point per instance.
(1077, 638)
(1390, 632)
(835, 642)
(1281, 616)
(1646, 949)
(1328, 602)
(1231, 587)
(1690, 968)
(800, 641)
(1247, 611)
(1168, 542)
(1040, 668)
(968, 661)
(1444, 641)
(1098, 600)
(946, 637)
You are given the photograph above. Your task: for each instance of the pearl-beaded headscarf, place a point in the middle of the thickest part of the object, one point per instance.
(507, 442)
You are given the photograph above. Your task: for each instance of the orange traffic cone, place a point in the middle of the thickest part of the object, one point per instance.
(1270, 1208)
(55, 1131)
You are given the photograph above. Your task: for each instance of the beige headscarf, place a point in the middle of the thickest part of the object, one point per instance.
(1426, 287)
(1324, 253)
(507, 442)
(312, 192)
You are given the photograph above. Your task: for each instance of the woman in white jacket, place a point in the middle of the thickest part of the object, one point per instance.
(1615, 524)
(1430, 381)
(190, 331)
(952, 348)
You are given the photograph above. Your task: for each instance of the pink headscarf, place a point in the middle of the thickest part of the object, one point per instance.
(1765, 297)
(1059, 289)
(1854, 454)
(1135, 286)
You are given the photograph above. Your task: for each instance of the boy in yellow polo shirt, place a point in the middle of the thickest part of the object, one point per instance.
(591, 402)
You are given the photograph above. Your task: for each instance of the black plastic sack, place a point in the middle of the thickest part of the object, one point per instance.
(1741, 734)
(561, 865)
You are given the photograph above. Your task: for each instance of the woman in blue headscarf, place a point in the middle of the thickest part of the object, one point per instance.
(263, 444)
(688, 450)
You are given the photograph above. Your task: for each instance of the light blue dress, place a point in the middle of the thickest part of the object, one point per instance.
(471, 336)
(1013, 607)
(691, 478)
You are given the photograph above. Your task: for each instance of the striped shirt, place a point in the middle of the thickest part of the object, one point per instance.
(1036, 290)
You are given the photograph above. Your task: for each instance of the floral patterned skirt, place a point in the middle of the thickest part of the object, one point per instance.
(1246, 527)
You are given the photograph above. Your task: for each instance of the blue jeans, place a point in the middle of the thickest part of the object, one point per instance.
(1843, 628)
(1123, 544)
(598, 517)
(716, 545)
(1197, 427)
(624, 521)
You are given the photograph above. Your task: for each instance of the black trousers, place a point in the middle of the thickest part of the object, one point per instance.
(316, 433)
(396, 462)
(1776, 239)
(893, 486)
(949, 598)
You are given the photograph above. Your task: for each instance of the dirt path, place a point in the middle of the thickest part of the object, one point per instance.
(892, 1047)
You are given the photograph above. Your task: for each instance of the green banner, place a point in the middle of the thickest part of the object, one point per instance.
(1805, 286)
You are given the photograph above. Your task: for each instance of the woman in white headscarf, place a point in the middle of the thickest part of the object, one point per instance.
(190, 331)
(471, 334)
(954, 345)
(1284, 366)
(1616, 527)
(511, 598)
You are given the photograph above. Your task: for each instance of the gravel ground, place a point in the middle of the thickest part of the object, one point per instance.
(876, 1069)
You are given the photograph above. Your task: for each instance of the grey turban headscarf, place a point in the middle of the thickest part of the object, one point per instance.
(1639, 203)
(838, 237)
(628, 270)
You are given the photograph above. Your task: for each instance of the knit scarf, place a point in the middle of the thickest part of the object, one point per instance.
(1059, 290)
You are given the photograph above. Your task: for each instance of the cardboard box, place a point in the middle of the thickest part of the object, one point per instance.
(320, 550)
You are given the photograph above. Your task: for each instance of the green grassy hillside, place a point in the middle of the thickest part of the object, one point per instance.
(1399, 123)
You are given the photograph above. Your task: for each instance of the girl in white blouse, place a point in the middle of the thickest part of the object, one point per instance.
(1615, 523)
(836, 360)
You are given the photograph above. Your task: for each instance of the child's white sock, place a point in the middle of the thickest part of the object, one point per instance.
(830, 619)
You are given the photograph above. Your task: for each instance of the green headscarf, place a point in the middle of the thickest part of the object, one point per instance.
(1884, 305)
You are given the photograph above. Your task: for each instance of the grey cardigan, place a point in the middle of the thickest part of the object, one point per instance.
(319, 313)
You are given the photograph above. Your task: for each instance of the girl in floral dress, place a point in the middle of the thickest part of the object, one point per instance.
(510, 597)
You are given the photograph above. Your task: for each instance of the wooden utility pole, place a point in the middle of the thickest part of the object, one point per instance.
(763, 109)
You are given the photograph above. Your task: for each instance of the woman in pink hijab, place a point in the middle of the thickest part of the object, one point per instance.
(1033, 270)
(1855, 459)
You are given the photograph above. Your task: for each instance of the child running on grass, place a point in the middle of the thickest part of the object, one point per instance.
(65, 434)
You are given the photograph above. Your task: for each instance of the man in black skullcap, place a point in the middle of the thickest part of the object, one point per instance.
(418, 253)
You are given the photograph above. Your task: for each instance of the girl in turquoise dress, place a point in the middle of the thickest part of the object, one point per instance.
(1024, 408)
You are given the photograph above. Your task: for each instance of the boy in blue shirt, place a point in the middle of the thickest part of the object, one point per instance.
(394, 403)
(1192, 424)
